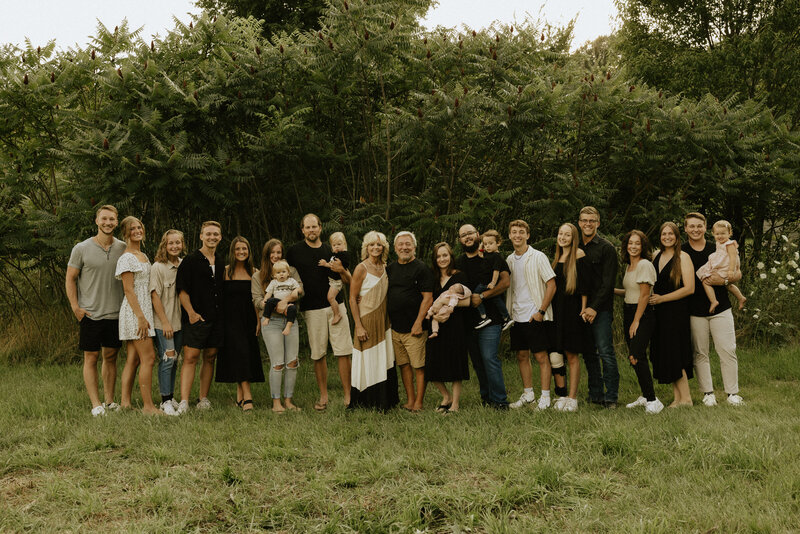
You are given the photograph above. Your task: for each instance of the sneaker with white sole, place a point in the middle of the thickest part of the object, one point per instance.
(735, 400)
(641, 401)
(559, 402)
(566, 404)
(709, 399)
(204, 404)
(484, 322)
(112, 407)
(507, 324)
(98, 410)
(653, 407)
(168, 408)
(174, 403)
(544, 403)
(182, 408)
(525, 398)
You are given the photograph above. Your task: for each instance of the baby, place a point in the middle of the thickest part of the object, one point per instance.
(491, 243)
(723, 262)
(281, 286)
(444, 305)
(339, 249)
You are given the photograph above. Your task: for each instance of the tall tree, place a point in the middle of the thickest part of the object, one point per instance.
(278, 15)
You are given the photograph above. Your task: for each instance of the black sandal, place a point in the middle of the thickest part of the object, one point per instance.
(443, 407)
(248, 402)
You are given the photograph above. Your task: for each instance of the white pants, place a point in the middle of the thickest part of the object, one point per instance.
(721, 328)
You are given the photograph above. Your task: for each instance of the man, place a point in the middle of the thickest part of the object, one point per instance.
(305, 257)
(719, 325)
(533, 285)
(199, 287)
(95, 296)
(483, 343)
(603, 384)
(408, 298)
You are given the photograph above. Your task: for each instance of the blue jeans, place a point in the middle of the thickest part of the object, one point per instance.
(483, 346)
(167, 367)
(497, 302)
(606, 378)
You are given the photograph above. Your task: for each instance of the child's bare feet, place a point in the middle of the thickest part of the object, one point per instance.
(265, 321)
(287, 329)
(433, 335)
(714, 304)
(742, 301)
(336, 316)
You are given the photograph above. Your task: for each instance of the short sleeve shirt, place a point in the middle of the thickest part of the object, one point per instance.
(281, 290)
(202, 284)
(407, 282)
(162, 281)
(496, 261)
(698, 303)
(478, 270)
(315, 278)
(644, 273)
(99, 292)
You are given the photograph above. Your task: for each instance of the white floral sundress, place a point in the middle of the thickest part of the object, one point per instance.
(128, 324)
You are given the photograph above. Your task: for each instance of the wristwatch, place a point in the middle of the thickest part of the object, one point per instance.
(542, 312)
(480, 295)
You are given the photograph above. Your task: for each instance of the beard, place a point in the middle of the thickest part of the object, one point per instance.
(469, 249)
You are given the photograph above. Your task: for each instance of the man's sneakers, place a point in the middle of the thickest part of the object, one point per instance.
(98, 411)
(641, 401)
(169, 408)
(204, 404)
(508, 323)
(112, 407)
(525, 398)
(653, 407)
(735, 400)
(544, 403)
(566, 404)
(709, 399)
(484, 322)
(183, 407)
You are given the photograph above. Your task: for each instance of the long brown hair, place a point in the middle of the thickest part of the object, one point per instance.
(647, 249)
(675, 273)
(161, 254)
(248, 263)
(265, 271)
(570, 269)
(450, 268)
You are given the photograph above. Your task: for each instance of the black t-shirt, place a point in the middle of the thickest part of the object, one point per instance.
(344, 257)
(478, 271)
(407, 282)
(497, 262)
(315, 278)
(698, 303)
(203, 286)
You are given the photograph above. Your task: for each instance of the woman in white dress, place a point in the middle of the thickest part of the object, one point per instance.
(136, 316)
(373, 375)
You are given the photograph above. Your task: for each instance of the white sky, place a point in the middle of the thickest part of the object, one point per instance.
(71, 22)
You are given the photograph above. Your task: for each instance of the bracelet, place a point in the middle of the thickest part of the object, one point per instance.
(542, 312)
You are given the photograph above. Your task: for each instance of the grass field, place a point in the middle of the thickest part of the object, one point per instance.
(698, 469)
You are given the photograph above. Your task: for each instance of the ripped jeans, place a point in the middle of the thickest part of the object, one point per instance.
(167, 367)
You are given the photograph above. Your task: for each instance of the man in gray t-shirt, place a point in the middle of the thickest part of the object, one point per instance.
(95, 296)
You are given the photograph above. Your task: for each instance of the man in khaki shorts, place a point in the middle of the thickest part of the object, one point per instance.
(305, 257)
(408, 298)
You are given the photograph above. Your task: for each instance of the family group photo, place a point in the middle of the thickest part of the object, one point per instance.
(354, 266)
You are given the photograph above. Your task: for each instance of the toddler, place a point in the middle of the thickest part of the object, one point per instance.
(491, 242)
(281, 286)
(339, 249)
(724, 262)
(444, 305)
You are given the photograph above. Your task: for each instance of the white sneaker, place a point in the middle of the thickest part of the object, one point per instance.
(98, 410)
(653, 407)
(204, 404)
(641, 401)
(168, 408)
(566, 404)
(735, 400)
(508, 324)
(525, 398)
(484, 322)
(174, 403)
(112, 407)
(709, 399)
(182, 408)
(544, 403)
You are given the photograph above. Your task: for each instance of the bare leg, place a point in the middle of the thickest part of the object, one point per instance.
(419, 374)
(277, 406)
(736, 292)
(408, 384)
(456, 396)
(434, 328)
(525, 370)
(190, 357)
(345, 363)
(712, 298)
(287, 329)
(446, 398)
(332, 293)
(246, 395)
(147, 358)
(129, 374)
(574, 374)
(321, 374)
(109, 371)
(545, 371)
(90, 376)
(207, 371)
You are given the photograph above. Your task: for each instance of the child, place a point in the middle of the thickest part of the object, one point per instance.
(491, 242)
(339, 248)
(280, 287)
(723, 262)
(443, 306)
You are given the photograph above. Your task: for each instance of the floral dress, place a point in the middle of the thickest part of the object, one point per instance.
(128, 324)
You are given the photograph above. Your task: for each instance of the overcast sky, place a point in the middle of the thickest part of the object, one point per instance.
(71, 22)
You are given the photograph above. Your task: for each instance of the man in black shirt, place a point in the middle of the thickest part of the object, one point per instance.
(199, 287)
(719, 325)
(483, 343)
(599, 312)
(305, 256)
(408, 298)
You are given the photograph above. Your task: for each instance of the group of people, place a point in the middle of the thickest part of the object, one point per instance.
(428, 320)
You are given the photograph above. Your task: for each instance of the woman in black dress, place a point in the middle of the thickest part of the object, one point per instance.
(239, 359)
(671, 344)
(573, 334)
(446, 354)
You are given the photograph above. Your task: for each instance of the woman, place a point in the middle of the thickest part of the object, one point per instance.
(136, 316)
(282, 350)
(638, 315)
(671, 346)
(239, 359)
(167, 317)
(573, 334)
(446, 354)
(374, 378)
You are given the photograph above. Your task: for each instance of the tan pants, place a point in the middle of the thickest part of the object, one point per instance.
(721, 328)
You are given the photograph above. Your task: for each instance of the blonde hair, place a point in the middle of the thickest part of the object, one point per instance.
(125, 227)
(337, 236)
(210, 223)
(722, 223)
(493, 233)
(162, 256)
(375, 237)
(107, 207)
(520, 224)
(406, 233)
(589, 210)
(280, 265)
(570, 264)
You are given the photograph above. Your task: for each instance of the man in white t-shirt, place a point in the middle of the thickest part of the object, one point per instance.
(533, 285)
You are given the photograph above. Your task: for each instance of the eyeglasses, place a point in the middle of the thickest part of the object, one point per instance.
(467, 234)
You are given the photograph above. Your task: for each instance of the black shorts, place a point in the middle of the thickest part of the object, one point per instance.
(97, 334)
(203, 335)
(532, 336)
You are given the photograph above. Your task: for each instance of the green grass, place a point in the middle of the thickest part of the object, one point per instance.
(700, 469)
